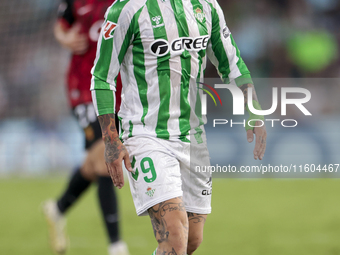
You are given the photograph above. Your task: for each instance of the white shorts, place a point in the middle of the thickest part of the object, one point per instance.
(162, 172)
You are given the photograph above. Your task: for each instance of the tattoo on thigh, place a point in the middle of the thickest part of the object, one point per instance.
(158, 221)
(196, 218)
(159, 227)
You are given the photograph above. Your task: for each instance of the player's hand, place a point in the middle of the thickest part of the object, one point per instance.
(75, 41)
(115, 153)
(260, 142)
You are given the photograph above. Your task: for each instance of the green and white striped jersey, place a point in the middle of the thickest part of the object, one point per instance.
(161, 48)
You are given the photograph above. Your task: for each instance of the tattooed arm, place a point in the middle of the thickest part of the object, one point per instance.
(260, 132)
(115, 151)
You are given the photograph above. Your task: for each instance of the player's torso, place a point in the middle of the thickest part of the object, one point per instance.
(173, 36)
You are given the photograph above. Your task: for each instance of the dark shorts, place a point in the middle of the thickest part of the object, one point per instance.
(88, 121)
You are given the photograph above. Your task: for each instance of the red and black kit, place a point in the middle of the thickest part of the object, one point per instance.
(89, 15)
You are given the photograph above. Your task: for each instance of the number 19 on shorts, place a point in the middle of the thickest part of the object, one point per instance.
(148, 170)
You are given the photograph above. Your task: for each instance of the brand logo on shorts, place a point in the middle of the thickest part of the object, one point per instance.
(150, 192)
(207, 192)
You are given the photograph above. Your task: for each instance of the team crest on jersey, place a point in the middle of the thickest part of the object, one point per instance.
(156, 21)
(199, 14)
(109, 27)
(150, 191)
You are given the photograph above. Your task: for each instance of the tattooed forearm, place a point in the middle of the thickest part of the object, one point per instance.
(196, 218)
(108, 127)
(113, 145)
(244, 89)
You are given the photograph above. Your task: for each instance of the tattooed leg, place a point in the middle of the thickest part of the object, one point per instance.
(196, 224)
(170, 225)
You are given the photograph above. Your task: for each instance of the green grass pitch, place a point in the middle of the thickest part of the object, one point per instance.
(254, 217)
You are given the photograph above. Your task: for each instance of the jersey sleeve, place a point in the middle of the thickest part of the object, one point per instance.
(223, 52)
(65, 11)
(115, 38)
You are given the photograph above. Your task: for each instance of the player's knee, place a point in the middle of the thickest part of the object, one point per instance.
(176, 227)
(96, 157)
(177, 236)
(87, 172)
(100, 168)
(194, 242)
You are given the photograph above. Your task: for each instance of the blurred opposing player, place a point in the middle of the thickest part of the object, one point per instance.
(77, 29)
(160, 48)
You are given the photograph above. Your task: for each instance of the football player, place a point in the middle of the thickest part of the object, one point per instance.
(160, 48)
(77, 29)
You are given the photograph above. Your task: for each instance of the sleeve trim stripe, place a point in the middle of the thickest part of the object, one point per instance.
(104, 101)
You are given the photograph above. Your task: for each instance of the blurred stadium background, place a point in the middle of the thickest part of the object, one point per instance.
(40, 142)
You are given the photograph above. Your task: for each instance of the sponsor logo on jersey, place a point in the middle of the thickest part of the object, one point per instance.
(157, 21)
(109, 27)
(150, 192)
(199, 14)
(207, 192)
(226, 32)
(162, 47)
(159, 48)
